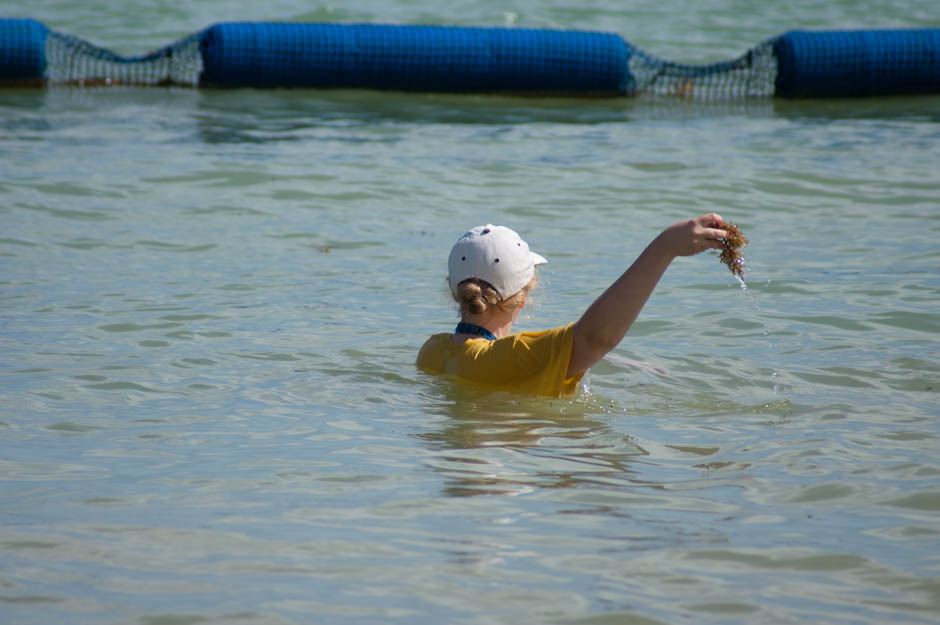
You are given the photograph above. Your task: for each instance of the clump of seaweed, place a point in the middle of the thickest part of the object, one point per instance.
(730, 248)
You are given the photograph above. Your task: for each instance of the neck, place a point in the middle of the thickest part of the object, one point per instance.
(499, 325)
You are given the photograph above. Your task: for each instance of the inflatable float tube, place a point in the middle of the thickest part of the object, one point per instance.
(459, 59)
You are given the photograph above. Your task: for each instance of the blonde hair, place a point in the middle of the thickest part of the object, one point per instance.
(476, 297)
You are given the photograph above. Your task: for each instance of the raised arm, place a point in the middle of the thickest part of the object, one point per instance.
(606, 321)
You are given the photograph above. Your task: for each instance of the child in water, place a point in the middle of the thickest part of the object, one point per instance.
(491, 271)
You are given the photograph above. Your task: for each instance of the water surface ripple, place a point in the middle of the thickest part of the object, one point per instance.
(211, 303)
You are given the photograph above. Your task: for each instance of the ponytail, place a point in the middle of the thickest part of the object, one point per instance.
(477, 297)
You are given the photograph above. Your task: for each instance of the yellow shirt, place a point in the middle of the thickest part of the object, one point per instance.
(529, 362)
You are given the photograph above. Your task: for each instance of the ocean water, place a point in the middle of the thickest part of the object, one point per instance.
(211, 301)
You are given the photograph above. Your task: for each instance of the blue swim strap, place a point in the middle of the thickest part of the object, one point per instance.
(471, 328)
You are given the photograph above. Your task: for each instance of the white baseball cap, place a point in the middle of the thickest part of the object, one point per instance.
(494, 254)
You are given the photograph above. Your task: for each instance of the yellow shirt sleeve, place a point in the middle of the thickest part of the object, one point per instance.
(528, 362)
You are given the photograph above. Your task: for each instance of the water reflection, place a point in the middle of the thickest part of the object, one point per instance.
(366, 116)
(501, 443)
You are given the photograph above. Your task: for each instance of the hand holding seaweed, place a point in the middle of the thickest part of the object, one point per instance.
(730, 248)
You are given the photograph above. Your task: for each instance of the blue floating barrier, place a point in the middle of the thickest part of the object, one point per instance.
(857, 63)
(22, 49)
(414, 58)
(463, 59)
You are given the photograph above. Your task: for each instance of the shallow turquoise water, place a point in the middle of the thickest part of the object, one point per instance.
(211, 303)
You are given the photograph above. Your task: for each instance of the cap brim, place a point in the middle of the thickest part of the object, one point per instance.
(537, 259)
